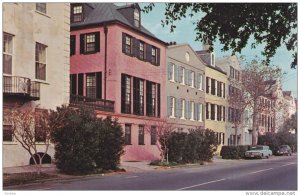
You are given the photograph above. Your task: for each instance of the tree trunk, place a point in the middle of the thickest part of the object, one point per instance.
(254, 124)
(235, 133)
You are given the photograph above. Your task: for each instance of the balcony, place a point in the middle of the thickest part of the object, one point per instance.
(21, 87)
(94, 103)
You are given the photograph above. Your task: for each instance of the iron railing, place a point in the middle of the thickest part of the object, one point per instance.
(97, 104)
(21, 86)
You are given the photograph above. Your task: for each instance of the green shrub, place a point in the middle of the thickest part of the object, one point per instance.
(233, 152)
(195, 146)
(83, 142)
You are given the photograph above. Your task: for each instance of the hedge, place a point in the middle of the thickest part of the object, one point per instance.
(234, 152)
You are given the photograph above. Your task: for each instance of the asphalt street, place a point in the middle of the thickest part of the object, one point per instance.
(276, 173)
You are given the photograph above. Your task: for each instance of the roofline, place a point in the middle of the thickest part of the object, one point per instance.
(86, 26)
(187, 44)
(221, 71)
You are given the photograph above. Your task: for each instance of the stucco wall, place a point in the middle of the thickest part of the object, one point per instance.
(51, 29)
(177, 55)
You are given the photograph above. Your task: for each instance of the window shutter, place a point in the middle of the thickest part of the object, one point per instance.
(73, 84)
(123, 93)
(207, 84)
(158, 56)
(97, 41)
(169, 105)
(135, 47)
(123, 42)
(72, 44)
(82, 42)
(158, 100)
(223, 90)
(80, 84)
(186, 110)
(196, 111)
(99, 85)
(148, 53)
(179, 108)
(169, 71)
(224, 113)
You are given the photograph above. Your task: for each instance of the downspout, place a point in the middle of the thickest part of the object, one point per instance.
(105, 60)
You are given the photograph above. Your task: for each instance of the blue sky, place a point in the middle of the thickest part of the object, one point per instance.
(184, 33)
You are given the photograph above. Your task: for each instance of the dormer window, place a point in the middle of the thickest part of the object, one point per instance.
(77, 13)
(136, 18)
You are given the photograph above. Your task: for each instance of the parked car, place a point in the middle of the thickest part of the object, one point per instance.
(258, 152)
(284, 150)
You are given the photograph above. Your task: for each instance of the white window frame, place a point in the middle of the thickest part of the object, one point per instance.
(200, 112)
(192, 110)
(8, 53)
(173, 107)
(183, 109)
(182, 79)
(200, 82)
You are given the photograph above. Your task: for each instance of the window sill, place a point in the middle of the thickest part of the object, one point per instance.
(41, 81)
(10, 143)
(88, 53)
(42, 13)
(182, 118)
(141, 144)
(173, 117)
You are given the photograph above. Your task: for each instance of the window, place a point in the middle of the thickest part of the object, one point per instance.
(141, 135)
(172, 106)
(73, 84)
(212, 116)
(192, 79)
(192, 110)
(142, 51)
(127, 134)
(200, 81)
(200, 118)
(90, 43)
(219, 89)
(183, 108)
(237, 75)
(91, 85)
(153, 135)
(136, 18)
(219, 112)
(213, 86)
(125, 94)
(77, 13)
(41, 7)
(231, 75)
(40, 61)
(223, 84)
(7, 53)
(7, 133)
(171, 70)
(158, 100)
(128, 41)
(138, 96)
(150, 98)
(153, 55)
(181, 75)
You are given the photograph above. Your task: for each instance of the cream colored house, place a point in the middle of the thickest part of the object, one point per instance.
(35, 65)
(216, 102)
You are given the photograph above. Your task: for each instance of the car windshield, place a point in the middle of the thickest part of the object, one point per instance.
(256, 148)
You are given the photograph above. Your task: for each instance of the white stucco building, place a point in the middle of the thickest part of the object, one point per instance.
(35, 65)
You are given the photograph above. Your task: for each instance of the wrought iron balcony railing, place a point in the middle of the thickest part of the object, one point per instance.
(21, 87)
(97, 104)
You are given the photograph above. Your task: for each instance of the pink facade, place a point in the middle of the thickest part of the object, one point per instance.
(119, 63)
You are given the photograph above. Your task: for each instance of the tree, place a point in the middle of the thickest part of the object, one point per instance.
(233, 24)
(258, 81)
(85, 143)
(238, 101)
(31, 129)
(160, 131)
(291, 123)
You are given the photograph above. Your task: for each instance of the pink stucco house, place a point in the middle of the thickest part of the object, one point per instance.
(117, 67)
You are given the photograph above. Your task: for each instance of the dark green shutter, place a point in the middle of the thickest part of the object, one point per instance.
(99, 85)
(80, 84)
(82, 43)
(97, 41)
